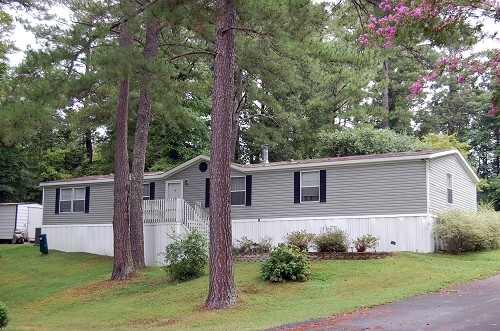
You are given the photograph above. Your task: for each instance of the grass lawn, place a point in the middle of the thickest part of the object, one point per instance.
(72, 291)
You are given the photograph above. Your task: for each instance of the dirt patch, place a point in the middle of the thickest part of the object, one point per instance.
(323, 322)
(152, 323)
(101, 286)
(94, 260)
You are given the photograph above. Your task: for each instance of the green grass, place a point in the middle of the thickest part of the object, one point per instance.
(72, 291)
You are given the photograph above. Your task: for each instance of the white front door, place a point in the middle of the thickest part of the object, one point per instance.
(173, 190)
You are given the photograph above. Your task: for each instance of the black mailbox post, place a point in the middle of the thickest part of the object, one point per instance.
(44, 247)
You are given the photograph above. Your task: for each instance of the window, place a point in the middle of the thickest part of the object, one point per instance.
(72, 200)
(450, 188)
(309, 186)
(145, 192)
(241, 191)
(238, 191)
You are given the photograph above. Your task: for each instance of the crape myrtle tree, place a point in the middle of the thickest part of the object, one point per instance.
(439, 24)
(454, 22)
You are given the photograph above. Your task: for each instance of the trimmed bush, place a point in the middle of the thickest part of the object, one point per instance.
(457, 231)
(331, 239)
(187, 256)
(4, 318)
(301, 239)
(285, 263)
(365, 242)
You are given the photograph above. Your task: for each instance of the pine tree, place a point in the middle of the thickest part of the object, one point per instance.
(222, 289)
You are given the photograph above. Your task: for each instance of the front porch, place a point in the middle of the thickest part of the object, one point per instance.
(176, 211)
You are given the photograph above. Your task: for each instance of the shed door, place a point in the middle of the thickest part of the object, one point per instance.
(173, 190)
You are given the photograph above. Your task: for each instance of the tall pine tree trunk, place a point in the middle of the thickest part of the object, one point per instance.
(122, 267)
(222, 290)
(238, 105)
(89, 147)
(153, 29)
(385, 96)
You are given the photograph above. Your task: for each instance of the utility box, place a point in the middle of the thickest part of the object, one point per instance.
(44, 247)
(38, 232)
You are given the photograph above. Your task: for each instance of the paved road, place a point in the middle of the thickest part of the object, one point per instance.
(472, 306)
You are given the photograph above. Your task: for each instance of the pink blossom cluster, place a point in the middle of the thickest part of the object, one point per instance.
(438, 16)
(463, 68)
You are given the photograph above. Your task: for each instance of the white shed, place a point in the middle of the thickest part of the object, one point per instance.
(19, 216)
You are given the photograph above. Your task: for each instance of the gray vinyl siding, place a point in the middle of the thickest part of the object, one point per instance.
(100, 206)
(7, 221)
(464, 188)
(375, 189)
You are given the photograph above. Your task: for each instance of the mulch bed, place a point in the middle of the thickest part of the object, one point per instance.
(317, 256)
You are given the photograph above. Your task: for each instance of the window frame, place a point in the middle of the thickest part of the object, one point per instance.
(72, 200)
(148, 196)
(244, 190)
(302, 186)
(449, 188)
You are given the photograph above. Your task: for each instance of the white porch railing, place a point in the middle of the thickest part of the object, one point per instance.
(175, 210)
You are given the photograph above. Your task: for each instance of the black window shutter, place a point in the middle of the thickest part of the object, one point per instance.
(322, 186)
(58, 195)
(152, 191)
(87, 199)
(296, 187)
(207, 193)
(248, 188)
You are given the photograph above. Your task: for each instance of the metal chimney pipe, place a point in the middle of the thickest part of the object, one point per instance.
(265, 153)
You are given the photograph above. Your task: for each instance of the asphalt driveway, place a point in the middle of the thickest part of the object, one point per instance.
(471, 306)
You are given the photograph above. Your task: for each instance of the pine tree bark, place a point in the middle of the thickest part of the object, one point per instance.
(222, 289)
(89, 146)
(122, 266)
(153, 29)
(385, 96)
(238, 101)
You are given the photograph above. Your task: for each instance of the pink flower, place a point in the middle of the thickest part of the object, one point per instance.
(493, 109)
(416, 88)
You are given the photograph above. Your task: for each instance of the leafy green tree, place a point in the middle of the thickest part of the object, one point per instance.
(319, 86)
(363, 141)
(443, 141)
(18, 182)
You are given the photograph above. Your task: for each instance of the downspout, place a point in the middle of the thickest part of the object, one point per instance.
(430, 219)
(15, 219)
(428, 190)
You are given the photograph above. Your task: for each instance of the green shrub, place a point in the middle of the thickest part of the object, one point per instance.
(245, 245)
(187, 256)
(4, 318)
(457, 231)
(331, 239)
(301, 239)
(286, 262)
(365, 242)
